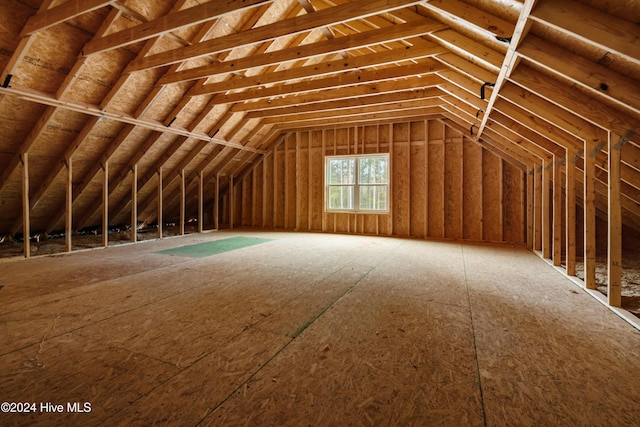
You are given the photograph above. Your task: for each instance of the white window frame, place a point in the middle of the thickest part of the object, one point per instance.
(356, 186)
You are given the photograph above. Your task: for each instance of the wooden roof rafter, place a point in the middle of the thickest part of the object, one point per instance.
(298, 24)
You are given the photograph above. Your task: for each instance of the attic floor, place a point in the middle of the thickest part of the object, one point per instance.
(311, 329)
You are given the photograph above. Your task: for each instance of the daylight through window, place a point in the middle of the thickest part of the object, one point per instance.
(357, 183)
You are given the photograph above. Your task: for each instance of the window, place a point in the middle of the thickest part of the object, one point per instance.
(357, 183)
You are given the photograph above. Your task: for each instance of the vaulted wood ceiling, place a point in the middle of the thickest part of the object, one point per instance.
(207, 87)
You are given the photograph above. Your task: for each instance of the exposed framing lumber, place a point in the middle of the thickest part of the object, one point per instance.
(66, 11)
(42, 123)
(68, 229)
(192, 16)
(105, 204)
(231, 202)
(346, 80)
(599, 80)
(182, 202)
(353, 10)
(592, 26)
(200, 202)
(614, 220)
(547, 171)
(326, 47)
(365, 90)
(589, 204)
(216, 203)
(160, 220)
(479, 20)
(332, 107)
(558, 167)
(570, 190)
(574, 101)
(134, 203)
(327, 68)
(26, 210)
(42, 98)
(510, 61)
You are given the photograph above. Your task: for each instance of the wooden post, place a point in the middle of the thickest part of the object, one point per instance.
(530, 214)
(285, 183)
(182, 201)
(557, 210)
(134, 204)
(298, 148)
(69, 207)
(105, 205)
(570, 173)
(200, 201)
(537, 208)
(590, 213)
(160, 216)
(216, 202)
(232, 201)
(26, 225)
(546, 214)
(426, 177)
(614, 252)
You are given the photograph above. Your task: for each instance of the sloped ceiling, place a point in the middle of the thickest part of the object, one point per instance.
(207, 87)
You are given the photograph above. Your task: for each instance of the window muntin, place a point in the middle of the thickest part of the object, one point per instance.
(357, 183)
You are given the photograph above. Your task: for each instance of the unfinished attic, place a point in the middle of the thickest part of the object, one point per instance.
(354, 212)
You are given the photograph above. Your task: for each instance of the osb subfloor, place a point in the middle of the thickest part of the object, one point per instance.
(312, 329)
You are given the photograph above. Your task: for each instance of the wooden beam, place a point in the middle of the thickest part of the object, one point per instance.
(216, 204)
(570, 191)
(349, 80)
(66, 11)
(614, 219)
(567, 123)
(42, 123)
(359, 9)
(546, 212)
(599, 80)
(373, 101)
(537, 207)
(173, 21)
(56, 169)
(105, 204)
(232, 201)
(134, 204)
(589, 202)
(455, 10)
(26, 211)
(326, 47)
(68, 229)
(530, 215)
(558, 166)
(182, 201)
(575, 101)
(200, 202)
(373, 89)
(469, 49)
(42, 98)
(401, 109)
(160, 199)
(590, 25)
(331, 68)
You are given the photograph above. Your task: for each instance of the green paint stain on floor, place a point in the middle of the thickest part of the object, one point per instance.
(201, 250)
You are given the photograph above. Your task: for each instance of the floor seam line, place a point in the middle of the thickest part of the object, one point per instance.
(473, 335)
(293, 338)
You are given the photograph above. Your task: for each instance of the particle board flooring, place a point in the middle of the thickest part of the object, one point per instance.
(311, 329)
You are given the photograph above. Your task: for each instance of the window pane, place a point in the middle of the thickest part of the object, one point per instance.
(373, 197)
(340, 197)
(342, 171)
(373, 170)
